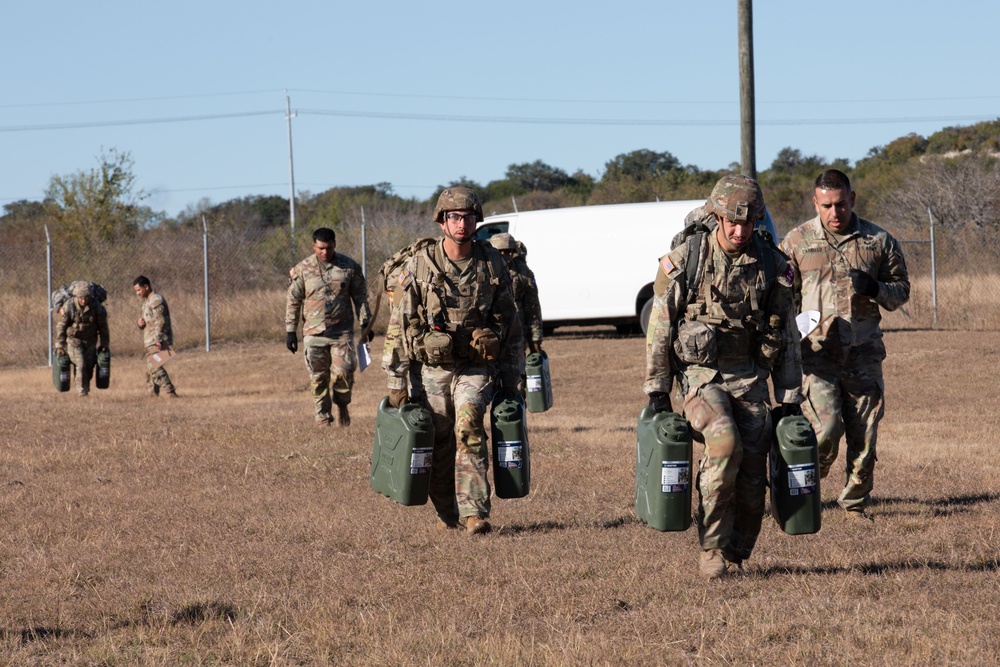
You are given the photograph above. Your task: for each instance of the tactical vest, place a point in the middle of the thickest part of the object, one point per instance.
(462, 302)
(82, 322)
(729, 323)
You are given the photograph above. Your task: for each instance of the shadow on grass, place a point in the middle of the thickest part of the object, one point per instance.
(41, 633)
(540, 527)
(991, 565)
(939, 506)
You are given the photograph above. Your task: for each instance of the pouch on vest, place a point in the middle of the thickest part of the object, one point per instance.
(696, 343)
(485, 344)
(437, 348)
(771, 344)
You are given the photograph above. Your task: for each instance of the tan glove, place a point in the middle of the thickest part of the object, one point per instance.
(398, 398)
(485, 344)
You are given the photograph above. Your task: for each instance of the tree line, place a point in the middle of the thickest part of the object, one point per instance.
(955, 172)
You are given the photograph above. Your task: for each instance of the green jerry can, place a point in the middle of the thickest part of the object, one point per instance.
(102, 374)
(511, 459)
(538, 381)
(663, 470)
(401, 457)
(795, 499)
(60, 371)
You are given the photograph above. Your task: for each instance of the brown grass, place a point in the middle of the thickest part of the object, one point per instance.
(224, 528)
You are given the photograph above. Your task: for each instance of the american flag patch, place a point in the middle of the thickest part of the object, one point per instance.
(667, 265)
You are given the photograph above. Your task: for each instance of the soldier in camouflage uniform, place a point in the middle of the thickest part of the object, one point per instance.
(324, 292)
(522, 280)
(722, 336)
(846, 268)
(157, 334)
(82, 331)
(456, 333)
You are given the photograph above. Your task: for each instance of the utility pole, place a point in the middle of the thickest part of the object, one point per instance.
(748, 138)
(291, 168)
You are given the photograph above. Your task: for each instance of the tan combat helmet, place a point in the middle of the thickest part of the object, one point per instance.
(503, 242)
(81, 289)
(737, 198)
(457, 198)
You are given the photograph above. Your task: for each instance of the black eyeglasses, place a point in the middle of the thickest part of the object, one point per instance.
(458, 217)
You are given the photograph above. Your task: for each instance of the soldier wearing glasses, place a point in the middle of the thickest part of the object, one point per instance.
(457, 340)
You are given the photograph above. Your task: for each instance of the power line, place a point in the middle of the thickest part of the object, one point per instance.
(523, 120)
(134, 121)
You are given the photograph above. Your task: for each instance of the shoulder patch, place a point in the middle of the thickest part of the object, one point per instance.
(666, 264)
(788, 277)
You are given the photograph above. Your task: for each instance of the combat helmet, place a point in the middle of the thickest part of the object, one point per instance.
(737, 198)
(503, 242)
(456, 198)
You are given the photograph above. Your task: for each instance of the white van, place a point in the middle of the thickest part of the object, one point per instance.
(596, 264)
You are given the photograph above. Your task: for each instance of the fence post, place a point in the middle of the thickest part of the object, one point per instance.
(48, 274)
(208, 319)
(933, 270)
(364, 246)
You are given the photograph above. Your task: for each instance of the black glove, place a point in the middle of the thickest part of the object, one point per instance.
(659, 401)
(864, 284)
(786, 410)
(292, 342)
(371, 334)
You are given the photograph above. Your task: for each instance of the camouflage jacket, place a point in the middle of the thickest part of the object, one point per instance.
(156, 314)
(435, 295)
(86, 324)
(322, 295)
(734, 326)
(525, 290)
(822, 268)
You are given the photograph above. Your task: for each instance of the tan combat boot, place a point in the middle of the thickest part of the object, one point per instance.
(711, 564)
(476, 525)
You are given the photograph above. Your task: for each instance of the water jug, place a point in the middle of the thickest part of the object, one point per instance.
(538, 382)
(60, 371)
(401, 457)
(663, 470)
(795, 500)
(102, 374)
(511, 459)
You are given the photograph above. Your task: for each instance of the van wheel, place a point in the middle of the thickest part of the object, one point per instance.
(647, 309)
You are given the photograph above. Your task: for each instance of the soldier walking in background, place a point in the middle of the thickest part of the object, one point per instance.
(325, 290)
(82, 331)
(456, 333)
(157, 335)
(846, 268)
(525, 290)
(721, 329)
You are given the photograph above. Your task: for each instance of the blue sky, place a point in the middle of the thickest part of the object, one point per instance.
(420, 93)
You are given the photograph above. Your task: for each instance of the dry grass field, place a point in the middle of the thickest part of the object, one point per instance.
(224, 528)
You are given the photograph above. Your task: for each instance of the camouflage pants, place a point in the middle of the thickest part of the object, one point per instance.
(732, 475)
(331, 363)
(458, 398)
(846, 400)
(83, 354)
(157, 377)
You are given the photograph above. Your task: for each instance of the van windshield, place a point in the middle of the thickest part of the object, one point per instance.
(485, 231)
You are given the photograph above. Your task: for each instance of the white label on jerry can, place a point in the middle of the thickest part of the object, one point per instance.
(534, 383)
(64, 376)
(675, 476)
(103, 372)
(420, 460)
(801, 479)
(509, 453)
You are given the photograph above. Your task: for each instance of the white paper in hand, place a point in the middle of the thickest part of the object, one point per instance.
(807, 321)
(364, 357)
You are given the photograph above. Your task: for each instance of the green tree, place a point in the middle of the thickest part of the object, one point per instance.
(640, 165)
(537, 175)
(99, 204)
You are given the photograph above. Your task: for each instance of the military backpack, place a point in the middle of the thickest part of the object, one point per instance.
(65, 293)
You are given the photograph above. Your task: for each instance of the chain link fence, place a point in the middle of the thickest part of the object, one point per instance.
(228, 284)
